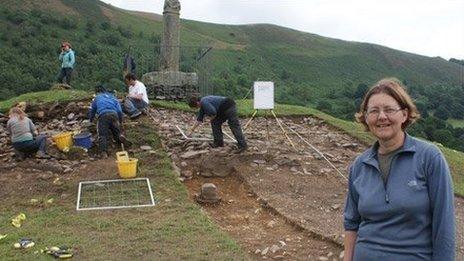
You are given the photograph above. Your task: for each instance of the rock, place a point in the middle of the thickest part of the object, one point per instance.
(69, 123)
(193, 154)
(335, 206)
(271, 224)
(71, 116)
(279, 257)
(350, 145)
(293, 169)
(342, 255)
(322, 258)
(208, 194)
(257, 251)
(264, 252)
(217, 167)
(274, 248)
(330, 254)
(67, 170)
(145, 147)
(183, 164)
(259, 162)
(187, 174)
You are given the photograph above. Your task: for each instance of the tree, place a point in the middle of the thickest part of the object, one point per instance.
(361, 90)
(442, 113)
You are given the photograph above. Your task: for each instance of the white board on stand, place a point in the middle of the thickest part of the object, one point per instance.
(263, 93)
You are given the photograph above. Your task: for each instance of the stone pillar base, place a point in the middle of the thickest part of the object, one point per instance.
(170, 85)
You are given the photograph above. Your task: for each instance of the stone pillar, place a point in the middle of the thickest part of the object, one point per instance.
(169, 55)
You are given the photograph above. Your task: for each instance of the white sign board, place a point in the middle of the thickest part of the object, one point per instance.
(263, 93)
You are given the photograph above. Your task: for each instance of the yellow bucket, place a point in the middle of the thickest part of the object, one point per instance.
(122, 156)
(63, 140)
(127, 169)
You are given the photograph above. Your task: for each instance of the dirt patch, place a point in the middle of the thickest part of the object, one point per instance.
(299, 186)
(242, 215)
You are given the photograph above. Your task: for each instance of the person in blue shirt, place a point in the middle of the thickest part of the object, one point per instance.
(67, 60)
(109, 112)
(400, 201)
(220, 109)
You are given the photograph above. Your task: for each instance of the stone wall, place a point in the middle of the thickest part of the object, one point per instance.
(170, 85)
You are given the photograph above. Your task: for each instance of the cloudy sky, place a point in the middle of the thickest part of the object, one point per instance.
(427, 27)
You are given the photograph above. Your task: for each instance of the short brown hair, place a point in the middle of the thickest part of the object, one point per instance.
(394, 88)
(130, 76)
(193, 101)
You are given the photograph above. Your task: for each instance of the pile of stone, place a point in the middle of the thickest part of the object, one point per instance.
(50, 119)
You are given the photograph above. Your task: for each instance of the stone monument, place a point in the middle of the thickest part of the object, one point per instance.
(169, 83)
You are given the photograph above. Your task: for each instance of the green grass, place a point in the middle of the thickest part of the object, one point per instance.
(245, 109)
(456, 123)
(175, 229)
(45, 97)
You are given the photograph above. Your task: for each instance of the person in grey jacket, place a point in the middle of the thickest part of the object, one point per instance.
(67, 60)
(24, 135)
(400, 201)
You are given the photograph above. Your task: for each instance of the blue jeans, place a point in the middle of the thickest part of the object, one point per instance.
(31, 146)
(132, 106)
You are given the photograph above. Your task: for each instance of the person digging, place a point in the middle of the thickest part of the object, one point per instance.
(220, 109)
(109, 121)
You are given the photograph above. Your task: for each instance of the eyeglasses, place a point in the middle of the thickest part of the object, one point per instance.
(388, 111)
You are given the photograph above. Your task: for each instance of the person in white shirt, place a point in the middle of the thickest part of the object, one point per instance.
(137, 99)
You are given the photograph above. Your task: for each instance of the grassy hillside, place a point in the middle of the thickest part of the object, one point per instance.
(102, 33)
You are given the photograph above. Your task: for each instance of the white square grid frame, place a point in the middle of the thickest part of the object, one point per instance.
(106, 187)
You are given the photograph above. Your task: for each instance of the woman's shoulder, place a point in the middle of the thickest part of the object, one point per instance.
(425, 147)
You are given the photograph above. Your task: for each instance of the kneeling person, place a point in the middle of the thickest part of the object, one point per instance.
(137, 99)
(24, 135)
(221, 109)
(109, 112)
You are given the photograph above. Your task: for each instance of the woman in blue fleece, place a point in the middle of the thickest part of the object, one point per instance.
(400, 203)
(67, 60)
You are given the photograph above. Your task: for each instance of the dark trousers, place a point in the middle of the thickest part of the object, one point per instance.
(108, 124)
(132, 106)
(31, 146)
(229, 115)
(65, 74)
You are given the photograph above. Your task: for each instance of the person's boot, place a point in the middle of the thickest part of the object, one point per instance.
(215, 145)
(125, 141)
(103, 155)
(42, 155)
(135, 115)
(241, 149)
(19, 156)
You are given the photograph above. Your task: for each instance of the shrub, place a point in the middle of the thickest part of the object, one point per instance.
(68, 23)
(105, 25)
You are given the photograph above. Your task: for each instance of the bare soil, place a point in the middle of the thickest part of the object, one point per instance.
(295, 187)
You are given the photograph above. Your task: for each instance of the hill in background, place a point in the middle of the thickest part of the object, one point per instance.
(308, 69)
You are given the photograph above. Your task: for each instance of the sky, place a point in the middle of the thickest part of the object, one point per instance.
(426, 27)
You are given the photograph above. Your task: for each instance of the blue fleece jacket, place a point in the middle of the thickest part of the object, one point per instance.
(104, 103)
(209, 105)
(411, 216)
(67, 59)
